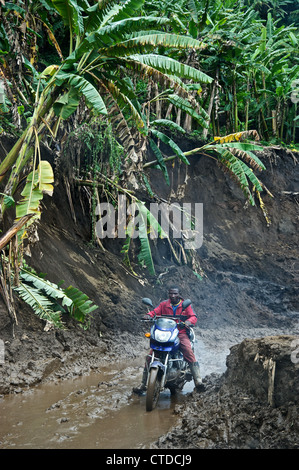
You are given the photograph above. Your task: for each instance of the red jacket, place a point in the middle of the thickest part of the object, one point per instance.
(165, 308)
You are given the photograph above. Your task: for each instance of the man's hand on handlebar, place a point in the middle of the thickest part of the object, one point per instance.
(186, 324)
(146, 317)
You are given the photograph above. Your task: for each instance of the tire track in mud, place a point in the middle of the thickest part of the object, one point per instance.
(96, 411)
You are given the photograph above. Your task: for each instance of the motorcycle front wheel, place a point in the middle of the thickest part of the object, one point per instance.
(153, 389)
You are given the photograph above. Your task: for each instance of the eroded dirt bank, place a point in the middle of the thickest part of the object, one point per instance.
(254, 405)
(248, 279)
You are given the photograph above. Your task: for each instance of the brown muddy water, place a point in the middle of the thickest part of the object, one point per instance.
(99, 411)
(96, 411)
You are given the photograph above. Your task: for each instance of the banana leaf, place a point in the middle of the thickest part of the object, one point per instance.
(44, 297)
(67, 104)
(128, 8)
(149, 42)
(160, 160)
(166, 140)
(145, 254)
(85, 88)
(185, 106)
(38, 182)
(171, 66)
(41, 305)
(49, 288)
(243, 148)
(173, 126)
(71, 14)
(81, 306)
(240, 171)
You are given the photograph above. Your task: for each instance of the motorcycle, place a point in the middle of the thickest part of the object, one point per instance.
(166, 366)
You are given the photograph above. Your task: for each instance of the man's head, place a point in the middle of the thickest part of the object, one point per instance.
(174, 295)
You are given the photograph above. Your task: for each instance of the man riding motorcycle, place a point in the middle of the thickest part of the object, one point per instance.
(173, 307)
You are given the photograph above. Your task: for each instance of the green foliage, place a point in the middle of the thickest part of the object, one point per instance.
(238, 159)
(168, 141)
(251, 51)
(145, 67)
(49, 300)
(38, 182)
(40, 304)
(187, 107)
(147, 225)
(108, 45)
(160, 159)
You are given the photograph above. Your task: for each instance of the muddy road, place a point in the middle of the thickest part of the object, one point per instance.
(243, 283)
(93, 412)
(99, 411)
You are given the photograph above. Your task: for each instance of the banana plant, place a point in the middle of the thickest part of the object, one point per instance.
(148, 228)
(107, 44)
(38, 183)
(235, 154)
(49, 301)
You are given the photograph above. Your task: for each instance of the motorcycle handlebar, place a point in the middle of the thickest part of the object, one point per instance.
(184, 324)
(180, 323)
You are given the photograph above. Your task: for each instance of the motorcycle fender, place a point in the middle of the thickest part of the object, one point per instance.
(157, 365)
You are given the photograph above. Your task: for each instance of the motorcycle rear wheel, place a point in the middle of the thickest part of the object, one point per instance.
(153, 390)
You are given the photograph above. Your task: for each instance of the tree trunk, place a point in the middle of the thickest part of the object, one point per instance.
(235, 106)
(5, 239)
(158, 102)
(247, 105)
(274, 122)
(205, 131)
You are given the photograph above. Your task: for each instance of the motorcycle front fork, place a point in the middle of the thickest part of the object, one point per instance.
(157, 359)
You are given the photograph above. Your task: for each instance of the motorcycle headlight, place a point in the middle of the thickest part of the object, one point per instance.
(162, 336)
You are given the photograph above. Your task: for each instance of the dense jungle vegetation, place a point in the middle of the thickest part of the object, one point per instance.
(121, 83)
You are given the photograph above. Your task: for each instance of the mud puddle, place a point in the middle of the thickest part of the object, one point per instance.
(96, 411)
